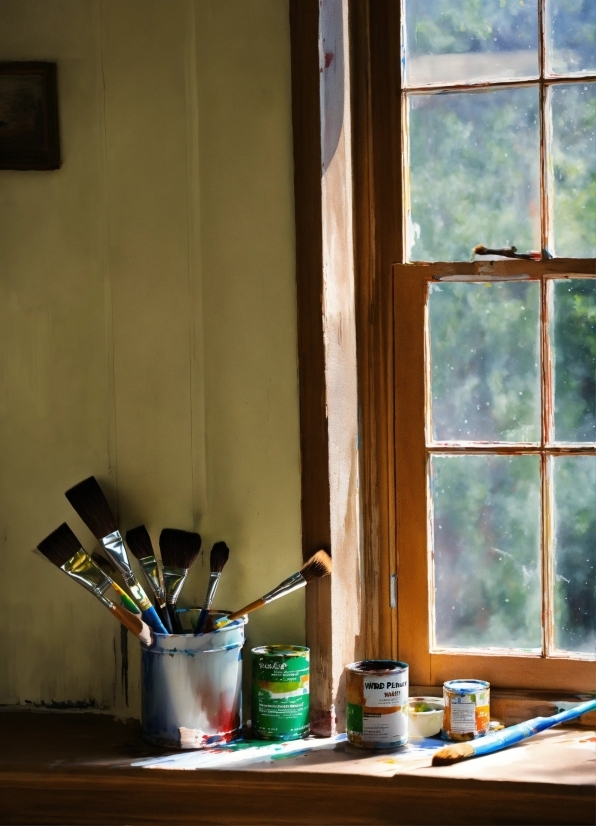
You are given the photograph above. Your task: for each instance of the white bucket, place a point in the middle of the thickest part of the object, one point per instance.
(191, 688)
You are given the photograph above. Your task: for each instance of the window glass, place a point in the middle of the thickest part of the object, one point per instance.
(470, 41)
(575, 552)
(486, 543)
(571, 36)
(485, 361)
(575, 360)
(573, 107)
(474, 172)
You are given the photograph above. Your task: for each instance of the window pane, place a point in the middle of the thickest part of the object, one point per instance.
(571, 36)
(474, 173)
(575, 360)
(574, 169)
(485, 362)
(575, 552)
(452, 42)
(486, 531)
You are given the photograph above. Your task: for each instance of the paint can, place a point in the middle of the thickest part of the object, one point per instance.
(377, 704)
(280, 692)
(467, 709)
(191, 687)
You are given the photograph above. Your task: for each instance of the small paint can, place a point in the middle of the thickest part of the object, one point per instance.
(377, 704)
(467, 709)
(280, 692)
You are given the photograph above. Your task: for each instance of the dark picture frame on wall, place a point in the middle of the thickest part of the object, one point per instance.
(29, 137)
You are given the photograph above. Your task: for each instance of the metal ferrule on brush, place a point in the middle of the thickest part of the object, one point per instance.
(211, 588)
(151, 569)
(82, 568)
(115, 549)
(173, 580)
(292, 583)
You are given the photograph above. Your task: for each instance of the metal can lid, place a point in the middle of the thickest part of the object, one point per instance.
(466, 686)
(376, 667)
(281, 651)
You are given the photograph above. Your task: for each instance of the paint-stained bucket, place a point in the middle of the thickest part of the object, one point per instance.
(191, 688)
(377, 704)
(467, 709)
(280, 692)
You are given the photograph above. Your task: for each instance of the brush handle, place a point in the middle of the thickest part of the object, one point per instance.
(514, 734)
(152, 619)
(174, 618)
(126, 601)
(163, 612)
(134, 624)
(258, 603)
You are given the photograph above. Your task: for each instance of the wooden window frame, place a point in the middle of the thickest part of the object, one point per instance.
(360, 613)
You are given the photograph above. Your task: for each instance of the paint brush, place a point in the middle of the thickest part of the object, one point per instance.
(217, 560)
(88, 500)
(64, 550)
(139, 542)
(495, 741)
(179, 549)
(316, 567)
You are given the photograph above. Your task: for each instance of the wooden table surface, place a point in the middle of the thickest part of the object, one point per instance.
(76, 768)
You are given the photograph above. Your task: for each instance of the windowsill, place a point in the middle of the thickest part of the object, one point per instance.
(76, 768)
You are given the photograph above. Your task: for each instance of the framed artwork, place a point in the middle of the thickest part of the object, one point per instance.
(28, 116)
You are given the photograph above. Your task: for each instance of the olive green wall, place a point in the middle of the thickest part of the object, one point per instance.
(147, 321)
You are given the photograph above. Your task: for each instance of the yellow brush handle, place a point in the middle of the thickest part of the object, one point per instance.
(134, 623)
(258, 603)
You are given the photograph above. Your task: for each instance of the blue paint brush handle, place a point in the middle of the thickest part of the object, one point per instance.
(514, 734)
(202, 621)
(152, 619)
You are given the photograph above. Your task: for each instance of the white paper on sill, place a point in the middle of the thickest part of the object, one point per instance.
(261, 752)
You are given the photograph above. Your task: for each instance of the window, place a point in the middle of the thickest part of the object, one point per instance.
(495, 361)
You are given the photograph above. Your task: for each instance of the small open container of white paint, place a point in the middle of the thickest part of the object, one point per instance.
(425, 716)
(191, 687)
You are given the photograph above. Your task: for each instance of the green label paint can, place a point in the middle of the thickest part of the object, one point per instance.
(280, 692)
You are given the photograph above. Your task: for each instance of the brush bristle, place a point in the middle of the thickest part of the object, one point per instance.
(219, 556)
(60, 546)
(139, 542)
(317, 566)
(179, 549)
(452, 754)
(88, 499)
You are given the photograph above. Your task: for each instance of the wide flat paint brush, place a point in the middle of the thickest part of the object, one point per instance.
(316, 567)
(88, 500)
(139, 542)
(498, 740)
(217, 560)
(64, 550)
(179, 549)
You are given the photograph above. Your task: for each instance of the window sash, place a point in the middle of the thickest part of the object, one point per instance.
(431, 666)
(542, 80)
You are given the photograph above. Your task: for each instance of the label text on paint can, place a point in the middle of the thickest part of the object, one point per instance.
(377, 701)
(383, 702)
(467, 709)
(280, 692)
